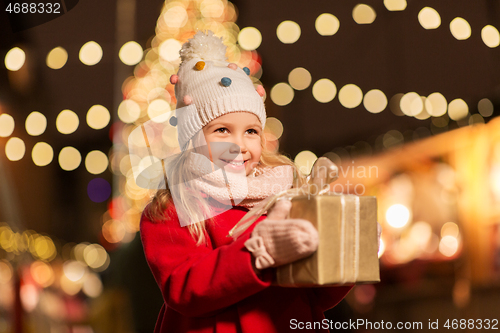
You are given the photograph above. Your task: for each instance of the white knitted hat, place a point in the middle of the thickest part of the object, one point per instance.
(207, 86)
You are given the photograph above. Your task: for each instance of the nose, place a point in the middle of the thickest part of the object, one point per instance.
(238, 146)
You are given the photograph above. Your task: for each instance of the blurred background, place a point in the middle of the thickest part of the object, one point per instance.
(402, 95)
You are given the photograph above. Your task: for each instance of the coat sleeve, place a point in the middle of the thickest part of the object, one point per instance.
(198, 280)
(326, 298)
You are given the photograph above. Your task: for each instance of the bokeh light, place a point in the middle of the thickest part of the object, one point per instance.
(98, 117)
(363, 14)
(15, 149)
(485, 107)
(169, 49)
(92, 285)
(460, 28)
(69, 158)
(282, 94)
(327, 24)
(67, 122)
(274, 126)
(411, 104)
(98, 190)
(436, 104)
(448, 246)
(157, 108)
(131, 53)
(450, 229)
(305, 161)
(90, 53)
(6, 272)
(395, 5)
(490, 36)
(42, 154)
(129, 111)
(375, 101)
(429, 18)
(249, 38)
(36, 123)
(476, 119)
(395, 104)
(95, 256)
(350, 96)
(176, 17)
(57, 58)
(113, 231)
(14, 59)
(96, 162)
(6, 125)
(42, 273)
(324, 90)
(458, 109)
(288, 32)
(299, 78)
(397, 216)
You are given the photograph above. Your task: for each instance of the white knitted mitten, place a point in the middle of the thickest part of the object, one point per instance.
(277, 241)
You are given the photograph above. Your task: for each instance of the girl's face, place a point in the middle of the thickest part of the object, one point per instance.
(233, 141)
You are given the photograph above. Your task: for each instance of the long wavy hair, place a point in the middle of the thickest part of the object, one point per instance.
(190, 205)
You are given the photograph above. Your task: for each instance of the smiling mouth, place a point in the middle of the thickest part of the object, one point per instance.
(240, 162)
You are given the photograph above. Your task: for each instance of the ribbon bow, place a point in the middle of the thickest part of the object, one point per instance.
(262, 258)
(323, 173)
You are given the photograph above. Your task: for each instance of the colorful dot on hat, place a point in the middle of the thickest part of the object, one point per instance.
(226, 82)
(246, 70)
(233, 66)
(173, 121)
(174, 79)
(260, 90)
(200, 65)
(187, 100)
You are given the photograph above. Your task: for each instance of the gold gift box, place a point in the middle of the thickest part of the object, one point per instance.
(348, 242)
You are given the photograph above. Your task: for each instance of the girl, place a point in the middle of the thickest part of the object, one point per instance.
(209, 282)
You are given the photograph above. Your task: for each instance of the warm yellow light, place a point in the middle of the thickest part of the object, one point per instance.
(436, 104)
(485, 107)
(67, 122)
(423, 114)
(14, 59)
(327, 24)
(274, 126)
(429, 18)
(450, 229)
(42, 154)
(299, 78)
(95, 256)
(96, 162)
(169, 49)
(113, 231)
(350, 96)
(249, 38)
(42, 273)
(57, 58)
(74, 270)
(69, 158)
(421, 234)
(460, 28)
(90, 53)
(395, 5)
(381, 248)
(131, 53)
(169, 136)
(44, 248)
(98, 117)
(15, 149)
(363, 14)
(490, 36)
(92, 285)
(212, 8)
(324, 90)
(458, 109)
(305, 160)
(129, 111)
(411, 104)
(157, 108)
(282, 94)
(6, 272)
(176, 17)
(448, 246)
(375, 101)
(476, 119)
(36, 123)
(6, 125)
(288, 32)
(397, 216)
(70, 287)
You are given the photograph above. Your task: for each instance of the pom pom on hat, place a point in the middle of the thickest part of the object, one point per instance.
(174, 79)
(203, 46)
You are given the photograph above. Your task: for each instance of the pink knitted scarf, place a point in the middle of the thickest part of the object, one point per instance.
(236, 189)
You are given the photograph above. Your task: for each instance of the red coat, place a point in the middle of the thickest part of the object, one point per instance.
(213, 288)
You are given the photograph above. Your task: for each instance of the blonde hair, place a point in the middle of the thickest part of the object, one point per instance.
(187, 211)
